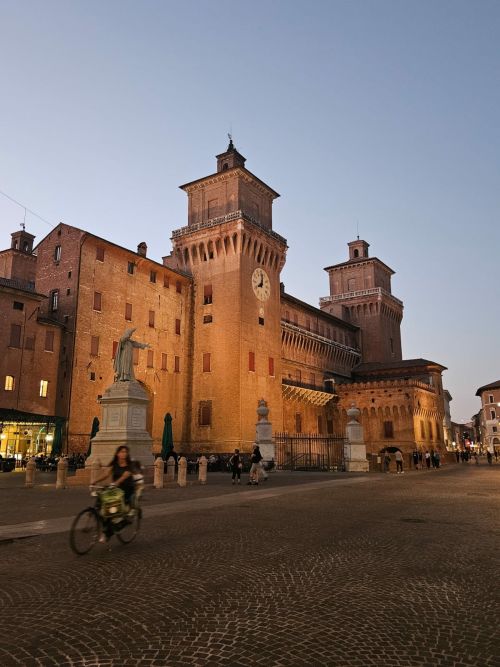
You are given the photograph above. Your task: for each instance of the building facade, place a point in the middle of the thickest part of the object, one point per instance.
(224, 333)
(489, 416)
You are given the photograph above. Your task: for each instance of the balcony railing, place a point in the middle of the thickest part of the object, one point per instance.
(379, 291)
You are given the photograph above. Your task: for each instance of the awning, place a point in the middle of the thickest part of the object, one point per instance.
(10, 415)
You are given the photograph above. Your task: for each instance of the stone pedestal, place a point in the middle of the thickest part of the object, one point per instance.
(264, 433)
(355, 448)
(124, 407)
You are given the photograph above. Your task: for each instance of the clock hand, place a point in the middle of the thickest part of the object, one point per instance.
(261, 280)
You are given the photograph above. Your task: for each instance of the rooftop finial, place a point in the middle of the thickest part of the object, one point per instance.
(231, 145)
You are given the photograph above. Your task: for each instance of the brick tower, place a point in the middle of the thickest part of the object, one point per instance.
(360, 292)
(235, 258)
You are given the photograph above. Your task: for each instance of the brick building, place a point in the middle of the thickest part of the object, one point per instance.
(225, 333)
(489, 416)
(29, 359)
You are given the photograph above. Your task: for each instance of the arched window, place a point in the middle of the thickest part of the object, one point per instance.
(225, 166)
(356, 253)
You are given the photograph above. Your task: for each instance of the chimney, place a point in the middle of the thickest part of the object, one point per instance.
(142, 249)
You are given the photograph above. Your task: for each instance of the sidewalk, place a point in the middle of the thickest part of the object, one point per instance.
(43, 502)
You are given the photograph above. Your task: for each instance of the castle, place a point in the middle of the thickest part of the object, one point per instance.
(223, 333)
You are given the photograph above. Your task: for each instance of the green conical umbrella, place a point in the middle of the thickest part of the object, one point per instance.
(167, 439)
(57, 442)
(93, 433)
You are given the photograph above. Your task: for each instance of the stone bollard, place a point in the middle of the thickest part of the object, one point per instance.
(30, 473)
(182, 474)
(159, 470)
(171, 469)
(95, 471)
(62, 473)
(202, 470)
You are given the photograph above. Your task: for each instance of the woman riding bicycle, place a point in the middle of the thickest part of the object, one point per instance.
(121, 470)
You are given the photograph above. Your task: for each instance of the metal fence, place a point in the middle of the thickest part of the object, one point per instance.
(300, 451)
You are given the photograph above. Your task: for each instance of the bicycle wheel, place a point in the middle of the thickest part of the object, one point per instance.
(131, 528)
(84, 531)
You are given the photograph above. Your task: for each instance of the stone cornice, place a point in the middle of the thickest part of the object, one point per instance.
(229, 174)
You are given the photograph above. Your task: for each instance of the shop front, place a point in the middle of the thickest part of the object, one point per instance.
(25, 434)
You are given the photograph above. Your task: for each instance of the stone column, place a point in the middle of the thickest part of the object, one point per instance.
(182, 474)
(264, 433)
(355, 448)
(62, 473)
(202, 470)
(30, 473)
(171, 469)
(158, 476)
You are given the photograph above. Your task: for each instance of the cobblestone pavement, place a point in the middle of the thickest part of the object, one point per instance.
(395, 571)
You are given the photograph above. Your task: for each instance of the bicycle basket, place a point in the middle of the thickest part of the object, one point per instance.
(112, 502)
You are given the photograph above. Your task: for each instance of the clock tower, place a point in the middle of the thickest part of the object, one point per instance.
(235, 258)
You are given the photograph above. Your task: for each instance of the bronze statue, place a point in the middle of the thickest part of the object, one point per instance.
(124, 359)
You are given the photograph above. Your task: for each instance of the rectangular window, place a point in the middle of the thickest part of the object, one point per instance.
(151, 318)
(287, 316)
(97, 301)
(94, 346)
(164, 359)
(178, 287)
(44, 385)
(271, 366)
(18, 305)
(178, 327)
(388, 430)
(493, 414)
(68, 292)
(298, 376)
(205, 413)
(494, 429)
(422, 430)
(57, 253)
(261, 321)
(312, 380)
(128, 312)
(251, 361)
(207, 319)
(130, 268)
(9, 383)
(114, 348)
(135, 356)
(207, 294)
(49, 341)
(29, 343)
(69, 274)
(351, 285)
(92, 376)
(491, 398)
(54, 300)
(166, 281)
(206, 362)
(177, 364)
(150, 359)
(15, 335)
(298, 422)
(152, 276)
(99, 254)
(308, 324)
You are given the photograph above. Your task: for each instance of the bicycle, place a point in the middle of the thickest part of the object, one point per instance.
(109, 516)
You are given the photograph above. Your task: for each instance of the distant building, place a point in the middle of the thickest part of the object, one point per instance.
(489, 418)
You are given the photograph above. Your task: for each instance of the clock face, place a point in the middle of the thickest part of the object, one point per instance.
(261, 284)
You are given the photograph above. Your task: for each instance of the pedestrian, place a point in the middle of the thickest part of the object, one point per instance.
(427, 459)
(387, 461)
(399, 462)
(255, 468)
(437, 459)
(476, 458)
(457, 456)
(236, 465)
(415, 459)
(263, 471)
(495, 451)
(489, 457)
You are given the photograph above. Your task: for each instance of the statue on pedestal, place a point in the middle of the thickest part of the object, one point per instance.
(124, 359)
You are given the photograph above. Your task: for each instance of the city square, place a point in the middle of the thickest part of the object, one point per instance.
(249, 391)
(366, 570)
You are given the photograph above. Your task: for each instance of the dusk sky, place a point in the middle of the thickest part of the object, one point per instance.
(382, 115)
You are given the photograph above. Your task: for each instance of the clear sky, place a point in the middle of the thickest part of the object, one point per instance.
(382, 114)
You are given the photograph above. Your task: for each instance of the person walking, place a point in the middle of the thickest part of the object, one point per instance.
(387, 461)
(415, 459)
(236, 465)
(457, 456)
(399, 462)
(437, 459)
(427, 459)
(256, 467)
(489, 457)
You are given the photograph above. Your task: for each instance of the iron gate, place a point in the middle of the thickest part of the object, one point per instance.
(301, 451)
